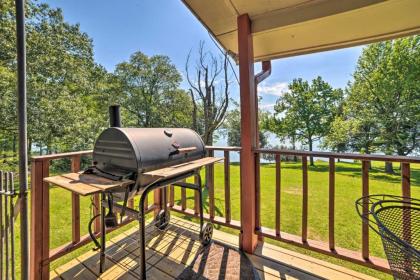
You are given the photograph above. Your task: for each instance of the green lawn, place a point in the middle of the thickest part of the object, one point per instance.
(348, 189)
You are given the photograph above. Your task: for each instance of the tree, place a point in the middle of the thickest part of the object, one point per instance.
(62, 78)
(355, 129)
(148, 89)
(387, 86)
(232, 128)
(305, 112)
(209, 92)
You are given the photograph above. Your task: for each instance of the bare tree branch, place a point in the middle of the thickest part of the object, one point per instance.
(213, 101)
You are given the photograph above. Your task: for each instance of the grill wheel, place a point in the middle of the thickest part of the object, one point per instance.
(206, 234)
(162, 219)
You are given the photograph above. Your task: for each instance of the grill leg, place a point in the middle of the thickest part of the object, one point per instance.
(103, 233)
(200, 198)
(142, 236)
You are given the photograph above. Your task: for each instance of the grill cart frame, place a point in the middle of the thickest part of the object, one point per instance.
(206, 229)
(397, 221)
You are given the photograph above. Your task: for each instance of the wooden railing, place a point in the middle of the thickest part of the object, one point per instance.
(329, 247)
(42, 255)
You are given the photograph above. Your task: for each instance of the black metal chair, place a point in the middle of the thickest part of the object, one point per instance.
(397, 221)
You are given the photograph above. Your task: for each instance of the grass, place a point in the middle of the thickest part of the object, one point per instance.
(347, 222)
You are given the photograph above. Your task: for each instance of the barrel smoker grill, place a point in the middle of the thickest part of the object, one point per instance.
(130, 153)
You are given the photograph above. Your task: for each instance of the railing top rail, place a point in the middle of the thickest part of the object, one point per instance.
(217, 148)
(61, 155)
(88, 152)
(405, 159)
(370, 157)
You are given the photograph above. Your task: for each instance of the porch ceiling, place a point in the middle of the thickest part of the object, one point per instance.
(284, 28)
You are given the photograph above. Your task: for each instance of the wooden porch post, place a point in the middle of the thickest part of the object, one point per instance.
(248, 133)
(40, 237)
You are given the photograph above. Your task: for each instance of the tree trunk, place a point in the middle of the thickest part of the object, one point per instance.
(29, 146)
(209, 140)
(388, 168)
(367, 151)
(14, 145)
(295, 159)
(311, 159)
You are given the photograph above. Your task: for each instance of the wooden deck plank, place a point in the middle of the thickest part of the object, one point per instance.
(75, 269)
(310, 264)
(169, 252)
(280, 270)
(54, 275)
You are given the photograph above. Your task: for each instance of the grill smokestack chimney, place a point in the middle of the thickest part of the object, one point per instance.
(114, 116)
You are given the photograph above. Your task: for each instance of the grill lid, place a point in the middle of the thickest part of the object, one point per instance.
(130, 151)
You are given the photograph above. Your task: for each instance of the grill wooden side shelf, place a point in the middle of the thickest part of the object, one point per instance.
(86, 184)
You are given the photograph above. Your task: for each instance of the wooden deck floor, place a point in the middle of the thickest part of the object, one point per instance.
(169, 252)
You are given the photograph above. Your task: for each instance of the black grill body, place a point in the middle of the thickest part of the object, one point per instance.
(121, 151)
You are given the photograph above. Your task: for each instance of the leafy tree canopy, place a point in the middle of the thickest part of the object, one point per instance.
(306, 111)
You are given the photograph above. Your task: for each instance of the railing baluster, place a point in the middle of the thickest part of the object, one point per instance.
(183, 198)
(210, 185)
(6, 225)
(75, 203)
(12, 225)
(331, 203)
(365, 226)
(171, 196)
(258, 195)
(196, 198)
(406, 192)
(227, 186)
(168, 193)
(304, 199)
(405, 173)
(1, 225)
(278, 193)
(157, 201)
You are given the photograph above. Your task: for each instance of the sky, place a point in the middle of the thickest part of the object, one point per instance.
(167, 27)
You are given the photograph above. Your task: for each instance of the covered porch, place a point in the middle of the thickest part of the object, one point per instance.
(251, 31)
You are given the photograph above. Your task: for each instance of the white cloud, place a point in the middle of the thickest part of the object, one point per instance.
(276, 89)
(267, 107)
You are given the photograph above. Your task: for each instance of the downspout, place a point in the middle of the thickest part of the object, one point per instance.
(261, 76)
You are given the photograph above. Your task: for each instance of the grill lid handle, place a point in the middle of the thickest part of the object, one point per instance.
(182, 150)
(186, 150)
